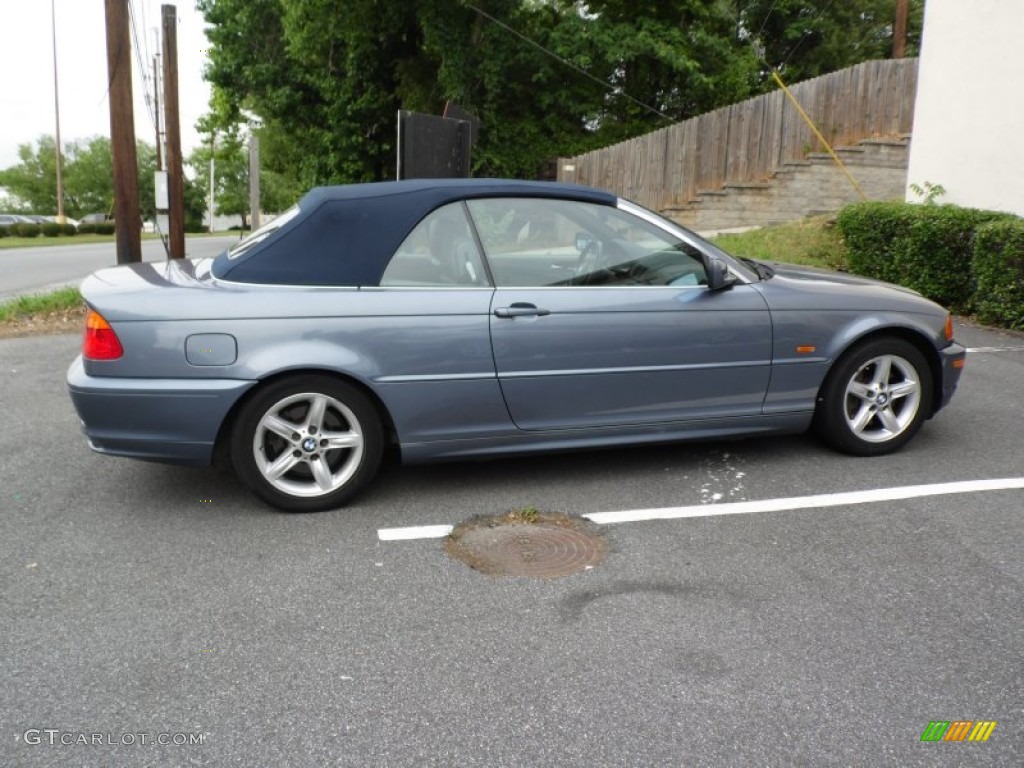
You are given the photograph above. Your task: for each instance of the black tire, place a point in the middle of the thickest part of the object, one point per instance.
(875, 398)
(307, 443)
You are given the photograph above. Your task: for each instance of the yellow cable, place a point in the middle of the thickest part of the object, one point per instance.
(817, 133)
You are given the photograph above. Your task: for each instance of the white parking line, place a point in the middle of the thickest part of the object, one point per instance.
(416, 532)
(976, 350)
(747, 507)
(807, 502)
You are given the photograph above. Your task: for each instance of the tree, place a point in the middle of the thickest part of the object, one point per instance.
(33, 181)
(88, 177)
(545, 77)
(231, 174)
(808, 38)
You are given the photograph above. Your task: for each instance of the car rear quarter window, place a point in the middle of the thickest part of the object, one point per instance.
(440, 251)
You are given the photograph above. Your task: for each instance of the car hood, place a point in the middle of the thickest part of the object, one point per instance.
(795, 272)
(808, 288)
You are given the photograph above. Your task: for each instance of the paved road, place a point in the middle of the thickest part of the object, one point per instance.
(43, 268)
(144, 599)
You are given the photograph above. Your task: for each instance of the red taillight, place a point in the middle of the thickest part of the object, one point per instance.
(100, 342)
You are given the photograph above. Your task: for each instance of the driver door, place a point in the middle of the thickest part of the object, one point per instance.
(601, 319)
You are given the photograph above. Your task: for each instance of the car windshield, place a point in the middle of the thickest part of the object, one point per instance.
(263, 232)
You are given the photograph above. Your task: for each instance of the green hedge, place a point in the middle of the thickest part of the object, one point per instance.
(104, 228)
(872, 233)
(924, 247)
(50, 229)
(999, 273)
(26, 230)
(4, 232)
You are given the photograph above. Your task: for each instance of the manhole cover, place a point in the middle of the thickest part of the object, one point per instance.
(527, 543)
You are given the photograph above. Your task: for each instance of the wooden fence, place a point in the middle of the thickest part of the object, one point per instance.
(747, 141)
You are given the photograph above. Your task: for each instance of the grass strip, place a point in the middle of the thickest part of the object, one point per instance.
(813, 242)
(23, 307)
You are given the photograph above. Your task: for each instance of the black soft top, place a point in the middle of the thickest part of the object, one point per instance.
(345, 235)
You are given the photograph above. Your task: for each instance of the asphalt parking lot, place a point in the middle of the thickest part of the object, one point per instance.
(143, 603)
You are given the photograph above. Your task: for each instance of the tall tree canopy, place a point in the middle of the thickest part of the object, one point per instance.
(88, 177)
(325, 78)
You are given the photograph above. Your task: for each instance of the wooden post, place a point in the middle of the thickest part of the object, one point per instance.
(122, 134)
(61, 219)
(254, 180)
(899, 29)
(172, 125)
(156, 115)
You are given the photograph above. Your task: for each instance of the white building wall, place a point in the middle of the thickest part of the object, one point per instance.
(969, 113)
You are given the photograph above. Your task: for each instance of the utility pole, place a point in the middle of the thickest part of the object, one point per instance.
(128, 226)
(56, 111)
(213, 152)
(172, 124)
(156, 113)
(899, 29)
(254, 180)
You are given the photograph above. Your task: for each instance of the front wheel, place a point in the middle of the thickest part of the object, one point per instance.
(875, 399)
(307, 443)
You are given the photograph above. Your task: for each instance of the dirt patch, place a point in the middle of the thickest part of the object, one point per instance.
(528, 542)
(61, 321)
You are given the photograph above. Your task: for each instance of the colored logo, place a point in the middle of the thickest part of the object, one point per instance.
(958, 730)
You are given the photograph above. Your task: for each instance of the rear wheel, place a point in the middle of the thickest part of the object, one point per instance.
(875, 398)
(307, 443)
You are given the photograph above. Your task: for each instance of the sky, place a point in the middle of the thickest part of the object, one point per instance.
(26, 66)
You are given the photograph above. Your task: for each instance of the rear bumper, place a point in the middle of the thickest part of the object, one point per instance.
(168, 420)
(951, 358)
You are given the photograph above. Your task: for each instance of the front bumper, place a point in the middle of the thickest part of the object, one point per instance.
(951, 359)
(169, 420)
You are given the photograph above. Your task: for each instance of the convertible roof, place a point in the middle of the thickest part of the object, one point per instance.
(345, 235)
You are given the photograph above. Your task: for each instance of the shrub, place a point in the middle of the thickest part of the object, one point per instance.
(104, 228)
(3, 231)
(87, 229)
(23, 229)
(68, 229)
(924, 247)
(999, 273)
(50, 229)
(871, 232)
(936, 259)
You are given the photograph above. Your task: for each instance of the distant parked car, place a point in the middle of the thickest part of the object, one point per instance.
(95, 218)
(67, 220)
(477, 317)
(7, 219)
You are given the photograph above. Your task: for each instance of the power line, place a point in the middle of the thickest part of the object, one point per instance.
(143, 72)
(567, 63)
(145, 26)
(766, 17)
(806, 34)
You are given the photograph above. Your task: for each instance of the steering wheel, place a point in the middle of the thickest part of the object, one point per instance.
(590, 259)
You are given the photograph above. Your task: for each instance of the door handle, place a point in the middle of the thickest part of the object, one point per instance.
(521, 309)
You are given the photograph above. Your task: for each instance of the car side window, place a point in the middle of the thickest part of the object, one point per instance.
(440, 251)
(532, 242)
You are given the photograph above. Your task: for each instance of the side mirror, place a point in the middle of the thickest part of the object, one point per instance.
(719, 276)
